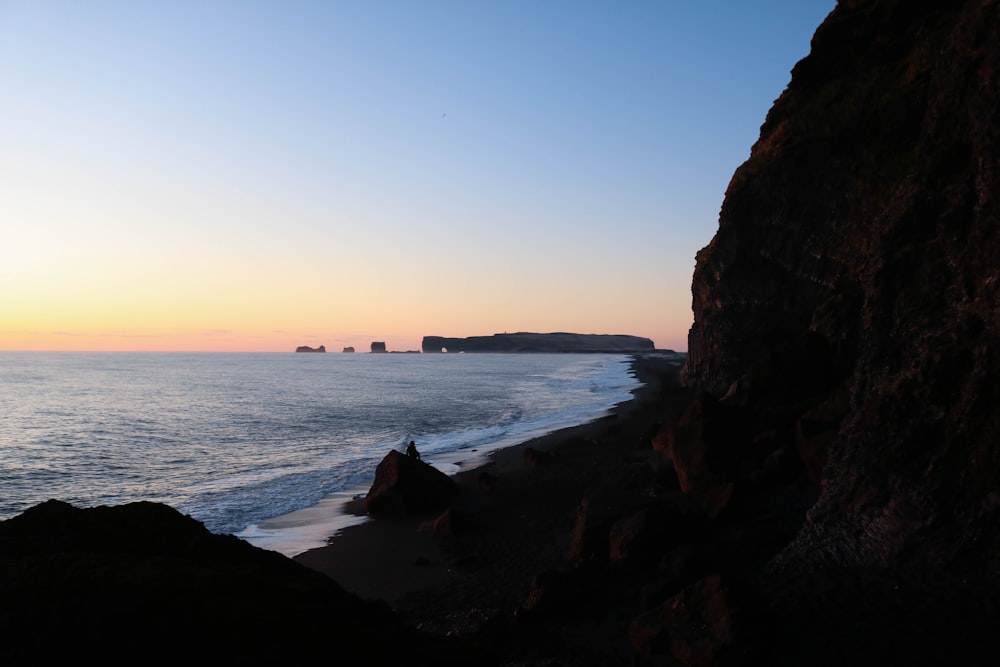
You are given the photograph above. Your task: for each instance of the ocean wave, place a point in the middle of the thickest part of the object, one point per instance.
(237, 440)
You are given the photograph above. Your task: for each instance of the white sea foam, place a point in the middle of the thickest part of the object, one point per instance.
(267, 446)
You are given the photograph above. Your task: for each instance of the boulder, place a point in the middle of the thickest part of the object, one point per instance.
(554, 596)
(706, 444)
(589, 535)
(640, 539)
(405, 485)
(450, 522)
(694, 627)
(486, 481)
(536, 457)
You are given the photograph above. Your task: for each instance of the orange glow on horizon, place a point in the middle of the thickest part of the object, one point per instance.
(222, 340)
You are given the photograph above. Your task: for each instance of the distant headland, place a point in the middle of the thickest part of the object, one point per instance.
(539, 342)
(521, 342)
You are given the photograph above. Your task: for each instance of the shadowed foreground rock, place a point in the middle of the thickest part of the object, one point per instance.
(143, 583)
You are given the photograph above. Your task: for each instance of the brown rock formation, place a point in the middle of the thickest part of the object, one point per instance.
(307, 349)
(695, 626)
(706, 443)
(858, 250)
(406, 485)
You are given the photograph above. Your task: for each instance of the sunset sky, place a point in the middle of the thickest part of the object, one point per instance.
(255, 176)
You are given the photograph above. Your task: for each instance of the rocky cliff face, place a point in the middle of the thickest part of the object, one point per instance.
(857, 264)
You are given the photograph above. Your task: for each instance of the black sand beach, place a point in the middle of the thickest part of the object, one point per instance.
(513, 519)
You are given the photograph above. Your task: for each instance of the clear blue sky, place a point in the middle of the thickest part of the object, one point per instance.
(258, 175)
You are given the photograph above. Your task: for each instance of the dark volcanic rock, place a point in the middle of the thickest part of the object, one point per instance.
(590, 533)
(695, 626)
(449, 522)
(536, 457)
(306, 348)
(849, 302)
(859, 246)
(406, 485)
(142, 583)
(378, 347)
(706, 444)
(539, 342)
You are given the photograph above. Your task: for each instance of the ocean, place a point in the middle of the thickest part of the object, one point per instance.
(269, 447)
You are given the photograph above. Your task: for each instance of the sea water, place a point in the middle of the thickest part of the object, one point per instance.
(269, 447)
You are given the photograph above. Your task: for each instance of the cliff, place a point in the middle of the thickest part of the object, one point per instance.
(854, 275)
(539, 342)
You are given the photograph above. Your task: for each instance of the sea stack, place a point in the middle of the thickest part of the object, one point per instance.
(307, 349)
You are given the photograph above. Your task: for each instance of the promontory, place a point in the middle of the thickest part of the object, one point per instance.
(539, 342)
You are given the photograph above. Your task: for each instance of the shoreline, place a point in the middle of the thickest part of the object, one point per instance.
(447, 579)
(314, 526)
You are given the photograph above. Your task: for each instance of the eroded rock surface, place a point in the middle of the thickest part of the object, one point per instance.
(858, 252)
(405, 485)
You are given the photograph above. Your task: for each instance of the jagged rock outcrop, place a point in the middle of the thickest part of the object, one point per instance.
(348, 350)
(378, 347)
(858, 254)
(539, 342)
(307, 349)
(141, 582)
(406, 485)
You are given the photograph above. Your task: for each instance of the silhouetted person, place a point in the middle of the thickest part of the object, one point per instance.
(411, 451)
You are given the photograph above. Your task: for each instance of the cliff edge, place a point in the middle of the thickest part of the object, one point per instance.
(539, 342)
(855, 272)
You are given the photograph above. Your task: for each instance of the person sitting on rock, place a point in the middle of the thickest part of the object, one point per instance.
(411, 450)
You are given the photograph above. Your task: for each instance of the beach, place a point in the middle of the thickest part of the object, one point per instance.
(513, 519)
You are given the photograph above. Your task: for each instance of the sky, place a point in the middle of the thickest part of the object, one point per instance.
(254, 176)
